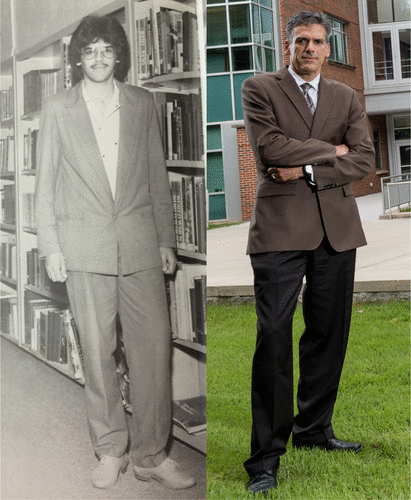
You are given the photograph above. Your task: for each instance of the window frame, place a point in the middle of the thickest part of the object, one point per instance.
(344, 36)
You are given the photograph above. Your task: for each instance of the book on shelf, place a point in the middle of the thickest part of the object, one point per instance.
(7, 163)
(166, 33)
(39, 84)
(74, 346)
(191, 414)
(180, 123)
(7, 103)
(186, 293)
(8, 214)
(8, 257)
(188, 197)
(28, 211)
(67, 75)
(37, 276)
(30, 149)
(9, 317)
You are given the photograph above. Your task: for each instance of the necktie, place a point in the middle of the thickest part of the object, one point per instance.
(305, 88)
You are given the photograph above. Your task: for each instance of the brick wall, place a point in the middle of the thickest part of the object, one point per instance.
(351, 75)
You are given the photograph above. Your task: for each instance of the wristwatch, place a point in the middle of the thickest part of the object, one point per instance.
(309, 174)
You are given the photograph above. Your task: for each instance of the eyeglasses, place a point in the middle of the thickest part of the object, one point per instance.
(89, 53)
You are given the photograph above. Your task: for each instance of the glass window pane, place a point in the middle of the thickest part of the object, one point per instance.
(240, 24)
(402, 10)
(379, 11)
(402, 122)
(377, 149)
(210, 2)
(215, 172)
(218, 60)
(238, 81)
(405, 52)
(256, 25)
(216, 26)
(214, 137)
(216, 205)
(267, 28)
(266, 3)
(269, 57)
(382, 49)
(258, 59)
(242, 58)
(219, 108)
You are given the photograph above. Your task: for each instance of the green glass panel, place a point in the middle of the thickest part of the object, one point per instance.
(238, 81)
(215, 172)
(256, 25)
(266, 3)
(267, 28)
(269, 60)
(402, 121)
(218, 60)
(214, 137)
(211, 2)
(216, 26)
(240, 24)
(216, 206)
(242, 58)
(258, 58)
(219, 108)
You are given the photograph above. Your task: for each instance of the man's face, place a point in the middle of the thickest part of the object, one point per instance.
(308, 50)
(98, 61)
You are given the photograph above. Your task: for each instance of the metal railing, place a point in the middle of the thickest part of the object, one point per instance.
(396, 192)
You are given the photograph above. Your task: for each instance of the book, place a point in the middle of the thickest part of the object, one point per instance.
(191, 414)
(74, 347)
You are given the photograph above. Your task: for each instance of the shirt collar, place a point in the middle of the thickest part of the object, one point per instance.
(115, 98)
(315, 83)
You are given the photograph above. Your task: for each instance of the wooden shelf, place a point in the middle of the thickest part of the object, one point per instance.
(8, 122)
(185, 164)
(29, 172)
(179, 80)
(11, 228)
(8, 281)
(31, 230)
(31, 116)
(8, 176)
(47, 294)
(191, 254)
(190, 345)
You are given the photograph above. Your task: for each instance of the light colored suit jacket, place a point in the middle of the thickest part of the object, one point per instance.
(283, 133)
(76, 214)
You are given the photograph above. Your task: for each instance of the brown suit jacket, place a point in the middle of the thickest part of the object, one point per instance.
(76, 214)
(283, 133)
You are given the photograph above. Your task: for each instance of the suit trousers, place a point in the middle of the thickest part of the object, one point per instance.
(327, 305)
(140, 300)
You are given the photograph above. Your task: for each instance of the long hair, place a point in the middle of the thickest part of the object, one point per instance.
(307, 18)
(90, 30)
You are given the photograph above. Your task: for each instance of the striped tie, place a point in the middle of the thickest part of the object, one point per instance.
(305, 88)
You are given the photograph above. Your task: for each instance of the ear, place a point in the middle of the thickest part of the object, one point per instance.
(328, 51)
(286, 47)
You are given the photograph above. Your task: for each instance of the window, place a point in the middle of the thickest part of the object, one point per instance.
(388, 11)
(338, 42)
(382, 51)
(377, 148)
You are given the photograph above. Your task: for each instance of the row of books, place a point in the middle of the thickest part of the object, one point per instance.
(8, 206)
(7, 103)
(188, 196)
(180, 121)
(39, 84)
(37, 276)
(7, 154)
(30, 149)
(8, 257)
(9, 317)
(52, 333)
(186, 293)
(166, 38)
(28, 211)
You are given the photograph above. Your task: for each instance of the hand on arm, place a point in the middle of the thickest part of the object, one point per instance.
(282, 175)
(56, 267)
(168, 259)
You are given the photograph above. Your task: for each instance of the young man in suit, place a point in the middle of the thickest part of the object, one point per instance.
(105, 224)
(310, 140)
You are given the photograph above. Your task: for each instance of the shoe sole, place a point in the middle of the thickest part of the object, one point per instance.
(314, 447)
(148, 479)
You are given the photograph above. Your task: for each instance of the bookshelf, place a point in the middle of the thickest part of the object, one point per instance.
(34, 309)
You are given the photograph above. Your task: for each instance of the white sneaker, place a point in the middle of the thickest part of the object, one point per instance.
(167, 474)
(108, 470)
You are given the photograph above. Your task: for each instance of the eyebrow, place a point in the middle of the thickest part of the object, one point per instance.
(304, 38)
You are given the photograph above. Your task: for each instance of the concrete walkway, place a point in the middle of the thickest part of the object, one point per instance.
(386, 258)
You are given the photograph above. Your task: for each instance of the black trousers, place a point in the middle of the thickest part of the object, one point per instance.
(327, 304)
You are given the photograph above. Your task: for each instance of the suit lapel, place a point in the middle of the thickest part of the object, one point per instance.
(78, 119)
(290, 88)
(324, 106)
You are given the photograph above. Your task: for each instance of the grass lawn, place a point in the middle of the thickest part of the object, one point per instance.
(373, 407)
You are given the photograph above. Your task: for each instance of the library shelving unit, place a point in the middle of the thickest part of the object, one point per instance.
(165, 59)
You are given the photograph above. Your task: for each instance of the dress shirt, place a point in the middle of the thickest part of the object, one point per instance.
(107, 131)
(313, 91)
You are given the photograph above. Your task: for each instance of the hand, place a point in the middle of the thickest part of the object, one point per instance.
(168, 259)
(56, 267)
(342, 150)
(282, 175)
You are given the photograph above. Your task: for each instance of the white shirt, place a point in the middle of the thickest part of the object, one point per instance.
(107, 131)
(313, 90)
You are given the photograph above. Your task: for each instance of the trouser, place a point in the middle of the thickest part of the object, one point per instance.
(327, 305)
(140, 300)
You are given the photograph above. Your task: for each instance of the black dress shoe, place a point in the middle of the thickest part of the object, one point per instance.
(329, 445)
(261, 482)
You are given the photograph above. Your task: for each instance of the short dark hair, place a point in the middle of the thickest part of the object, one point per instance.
(93, 28)
(307, 18)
